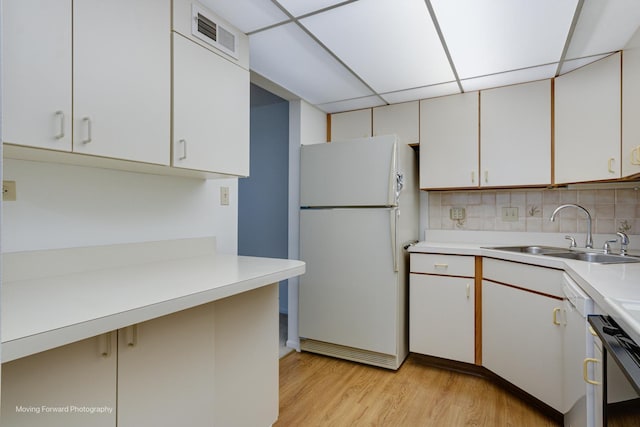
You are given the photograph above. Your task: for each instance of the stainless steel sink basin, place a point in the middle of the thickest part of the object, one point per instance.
(594, 257)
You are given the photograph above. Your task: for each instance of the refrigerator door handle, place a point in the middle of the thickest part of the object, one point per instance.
(393, 221)
(393, 176)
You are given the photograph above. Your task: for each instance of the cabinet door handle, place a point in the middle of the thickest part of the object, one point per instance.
(473, 177)
(468, 290)
(60, 116)
(555, 316)
(585, 368)
(87, 120)
(184, 149)
(105, 345)
(610, 165)
(131, 335)
(486, 176)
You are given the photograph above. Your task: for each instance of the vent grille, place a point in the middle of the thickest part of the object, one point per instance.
(349, 353)
(227, 39)
(207, 27)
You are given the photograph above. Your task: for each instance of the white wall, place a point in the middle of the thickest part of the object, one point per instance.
(307, 125)
(61, 206)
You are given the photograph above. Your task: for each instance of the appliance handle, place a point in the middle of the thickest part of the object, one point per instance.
(394, 213)
(393, 176)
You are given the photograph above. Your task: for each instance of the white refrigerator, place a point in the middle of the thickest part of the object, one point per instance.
(359, 207)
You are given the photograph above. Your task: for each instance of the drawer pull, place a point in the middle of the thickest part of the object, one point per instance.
(441, 266)
(585, 373)
(555, 316)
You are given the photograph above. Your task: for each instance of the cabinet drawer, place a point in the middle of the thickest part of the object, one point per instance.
(538, 279)
(450, 265)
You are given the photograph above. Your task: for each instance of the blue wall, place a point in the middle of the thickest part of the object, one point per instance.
(263, 196)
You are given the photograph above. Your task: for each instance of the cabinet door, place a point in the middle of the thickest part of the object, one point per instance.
(351, 124)
(515, 135)
(521, 343)
(122, 66)
(631, 108)
(449, 141)
(36, 73)
(587, 122)
(72, 385)
(165, 370)
(398, 119)
(210, 111)
(441, 317)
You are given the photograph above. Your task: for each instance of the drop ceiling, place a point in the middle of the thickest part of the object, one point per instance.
(345, 55)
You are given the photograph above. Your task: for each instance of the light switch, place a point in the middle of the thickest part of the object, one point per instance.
(224, 196)
(457, 213)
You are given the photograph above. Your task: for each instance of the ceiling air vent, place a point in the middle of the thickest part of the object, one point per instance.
(206, 28)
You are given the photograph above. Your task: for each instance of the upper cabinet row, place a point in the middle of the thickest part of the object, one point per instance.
(505, 137)
(101, 84)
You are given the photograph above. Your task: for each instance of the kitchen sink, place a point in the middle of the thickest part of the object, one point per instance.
(594, 257)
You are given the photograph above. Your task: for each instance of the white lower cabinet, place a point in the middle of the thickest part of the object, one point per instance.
(441, 306)
(522, 331)
(199, 367)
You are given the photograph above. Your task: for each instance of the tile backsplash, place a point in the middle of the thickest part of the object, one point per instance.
(612, 210)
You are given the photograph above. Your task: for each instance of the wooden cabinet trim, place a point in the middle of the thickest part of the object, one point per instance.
(478, 311)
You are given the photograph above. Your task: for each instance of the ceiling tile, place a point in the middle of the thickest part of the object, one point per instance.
(603, 27)
(299, 8)
(351, 104)
(391, 45)
(510, 78)
(421, 93)
(490, 36)
(247, 15)
(287, 56)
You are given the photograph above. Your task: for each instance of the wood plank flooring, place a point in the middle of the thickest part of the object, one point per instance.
(321, 391)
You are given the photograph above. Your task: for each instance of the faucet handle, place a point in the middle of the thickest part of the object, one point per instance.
(624, 241)
(573, 241)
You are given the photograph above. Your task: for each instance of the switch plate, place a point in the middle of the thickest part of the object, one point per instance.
(457, 213)
(509, 214)
(224, 196)
(8, 191)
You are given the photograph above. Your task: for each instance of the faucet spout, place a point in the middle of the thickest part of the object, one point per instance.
(589, 242)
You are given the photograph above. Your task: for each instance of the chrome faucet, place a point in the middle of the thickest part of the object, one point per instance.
(624, 241)
(589, 242)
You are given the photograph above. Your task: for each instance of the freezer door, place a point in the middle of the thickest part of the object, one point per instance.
(350, 173)
(349, 294)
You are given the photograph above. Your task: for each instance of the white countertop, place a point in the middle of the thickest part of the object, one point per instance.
(609, 285)
(43, 311)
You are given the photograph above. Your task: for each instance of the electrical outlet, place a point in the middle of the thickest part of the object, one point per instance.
(8, 191)
(224, 196)
(509, 214)
(457, 213)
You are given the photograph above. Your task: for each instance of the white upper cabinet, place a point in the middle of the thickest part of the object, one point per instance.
(351, 124)
(587, 122)
(515, 135)
(398, 119)
(631, 108)
(36, 73)
(449, 141)
(210, 110)
(122, 80)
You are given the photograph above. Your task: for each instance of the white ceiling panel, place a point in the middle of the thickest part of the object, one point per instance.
(299, 8)
(392, 45)
(247, 15)
(351, 104)
(490, 36)
(510, 78)
(287, 56)
(604, 26)
(580, 62)
(421, 93)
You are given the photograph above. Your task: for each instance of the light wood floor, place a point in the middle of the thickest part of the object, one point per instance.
(322, 391)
